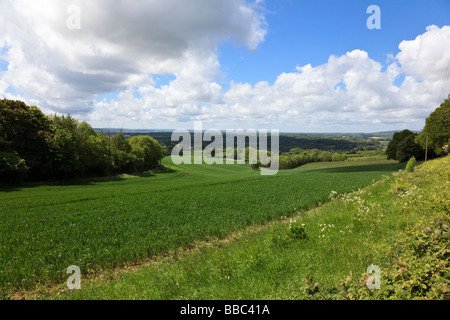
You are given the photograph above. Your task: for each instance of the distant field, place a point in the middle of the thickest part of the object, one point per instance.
(371, 158)
(102, 224)
(349, 163)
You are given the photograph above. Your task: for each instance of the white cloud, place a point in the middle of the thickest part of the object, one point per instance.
(353, 92)
(426, 57)
(119, 45)
(123, 45)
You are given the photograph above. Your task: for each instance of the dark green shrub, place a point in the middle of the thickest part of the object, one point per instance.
(298, 231)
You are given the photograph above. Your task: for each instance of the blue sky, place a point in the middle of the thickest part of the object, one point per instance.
(308, 32)
(305, 66)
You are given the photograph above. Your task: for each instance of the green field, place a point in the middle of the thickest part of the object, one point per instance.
(352, 162)
(102, 224)
(399, 223)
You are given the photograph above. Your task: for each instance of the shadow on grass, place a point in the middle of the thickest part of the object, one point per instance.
(83, 181)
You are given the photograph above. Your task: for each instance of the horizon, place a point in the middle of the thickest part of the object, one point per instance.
(281, 132)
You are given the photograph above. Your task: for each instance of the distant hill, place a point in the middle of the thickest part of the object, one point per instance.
(338, 142)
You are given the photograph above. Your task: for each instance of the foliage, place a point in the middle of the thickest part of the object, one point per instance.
(403, 146)
(419, 270)
(408, 148)
(339, 157)
(12, 168)
(410, 165)
(138, 154)
(298, 157)
(122, 159)
(148, 150)
(437, 129)
(25, 130)
(120, 143)
(298, 231)
(77, 150)
(391, 150)
(419, 261)
(92, 151)
(36, 147)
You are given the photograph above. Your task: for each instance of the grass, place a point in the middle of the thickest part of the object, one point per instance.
(100, 225)
(352, 162)
(345, 235)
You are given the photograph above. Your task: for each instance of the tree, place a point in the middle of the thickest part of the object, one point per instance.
(122, 158)
(403, 146)
(61, 147)
(325, 156)
(339, 157)
(408, 148)
(77, 149)
(25, 131)
(65, 161)
(147, 150)
(93, 151)
(119, 142)
(437, 129)
(12, 167)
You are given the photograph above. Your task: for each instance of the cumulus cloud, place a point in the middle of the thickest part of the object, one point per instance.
(122, 46)
(352, 91)
(427, 56)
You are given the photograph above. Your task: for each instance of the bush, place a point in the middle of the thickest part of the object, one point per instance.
(411, 164)
(297, 231)
(339, 157)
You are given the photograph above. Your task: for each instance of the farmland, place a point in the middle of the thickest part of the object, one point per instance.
(400, 223)
(102, 224)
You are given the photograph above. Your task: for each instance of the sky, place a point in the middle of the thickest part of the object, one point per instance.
(292, 65)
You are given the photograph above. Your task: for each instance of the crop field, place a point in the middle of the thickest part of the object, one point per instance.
(352, 162)
(101, 224)
(397, 223)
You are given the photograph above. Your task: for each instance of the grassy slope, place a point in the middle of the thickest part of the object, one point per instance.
(102, 224)
(347, 234)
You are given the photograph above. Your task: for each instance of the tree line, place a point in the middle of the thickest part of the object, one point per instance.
(298, 157)
(36, 147)
(432, 142)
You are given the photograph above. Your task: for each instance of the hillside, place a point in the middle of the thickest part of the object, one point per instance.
(105, 224)
(399, 223)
